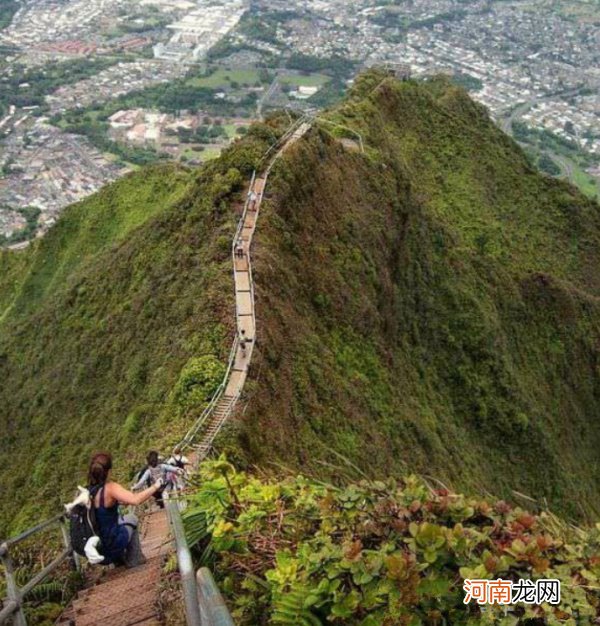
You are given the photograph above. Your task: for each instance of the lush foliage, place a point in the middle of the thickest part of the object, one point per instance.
(337, 66)
(115, 326)
(430, 304)
(301, 552)
(198, 381)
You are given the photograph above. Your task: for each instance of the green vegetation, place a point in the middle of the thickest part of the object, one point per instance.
(336, 66)
(586, 182)
(261, 25)
(224, 78)
(149, 18)
(205, 133)
(547, 165)
(303, 553)
(106, 322)
(469, 82)
(431, 304)
(7, 9)
(539, 141)
(330, 94)
(305, 80)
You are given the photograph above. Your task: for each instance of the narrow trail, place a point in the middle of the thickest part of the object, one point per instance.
(128, 597)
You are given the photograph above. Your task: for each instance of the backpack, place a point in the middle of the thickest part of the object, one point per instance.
(177, 462)
(82, 520)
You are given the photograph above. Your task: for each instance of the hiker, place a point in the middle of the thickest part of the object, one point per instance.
(239, 248)
(252, 198)
(179, 460)
(155, 471)
(244, 341)
(118, 534)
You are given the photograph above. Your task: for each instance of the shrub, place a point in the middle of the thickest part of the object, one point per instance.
(376, 553)
(198, 381)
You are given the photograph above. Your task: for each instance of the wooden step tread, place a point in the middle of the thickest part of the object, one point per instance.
(137, 575)
(138, 606)
(130, 617)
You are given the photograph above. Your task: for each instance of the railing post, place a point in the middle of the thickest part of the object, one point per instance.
(74, 558)
(12, 590)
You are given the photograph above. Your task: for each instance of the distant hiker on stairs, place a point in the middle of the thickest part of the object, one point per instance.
(252, 200)
(178, 459)
(158, 471)
(118, 534)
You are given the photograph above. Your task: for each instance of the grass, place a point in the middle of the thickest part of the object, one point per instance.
(231, 129)
(210, 153)
(587, 183)
(223, 78)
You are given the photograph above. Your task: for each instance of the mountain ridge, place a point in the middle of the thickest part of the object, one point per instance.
(399, 299)
(442, 367)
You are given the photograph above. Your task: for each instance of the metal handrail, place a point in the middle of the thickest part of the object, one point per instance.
(204, 605)
(292, 129)
(12, 541)
(212, 605)
(354, 132)
(185, 563)
(13, 605)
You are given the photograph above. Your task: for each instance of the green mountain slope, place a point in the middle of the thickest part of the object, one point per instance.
(431, 305)
(114, 327)
(91, 226)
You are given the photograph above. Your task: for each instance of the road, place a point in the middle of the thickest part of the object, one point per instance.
(566, 165)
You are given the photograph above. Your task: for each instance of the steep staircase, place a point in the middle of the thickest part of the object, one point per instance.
(130, 597)
(126, 597)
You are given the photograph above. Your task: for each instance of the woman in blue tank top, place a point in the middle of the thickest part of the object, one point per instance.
(118, 534)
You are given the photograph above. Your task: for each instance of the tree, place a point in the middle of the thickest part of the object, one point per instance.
(547, 165)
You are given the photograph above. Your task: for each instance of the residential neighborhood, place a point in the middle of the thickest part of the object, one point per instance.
(532, 66)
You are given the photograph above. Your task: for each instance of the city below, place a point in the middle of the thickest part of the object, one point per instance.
(90, 90)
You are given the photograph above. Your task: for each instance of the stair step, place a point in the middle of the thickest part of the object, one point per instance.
(136, 576)
(130, 617)
(124, 608)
